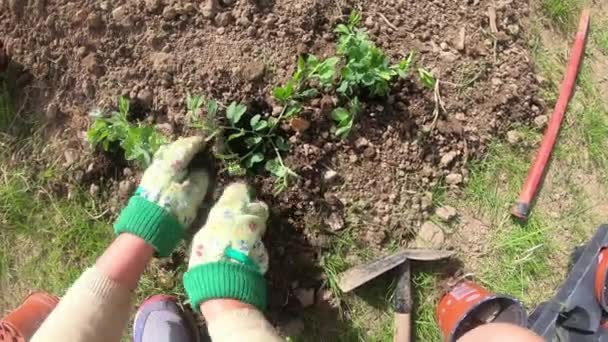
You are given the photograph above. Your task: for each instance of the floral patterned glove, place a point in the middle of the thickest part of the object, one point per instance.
(168, 197)
(228, 258)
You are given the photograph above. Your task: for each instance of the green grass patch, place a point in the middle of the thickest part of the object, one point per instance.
(47, 241)
(599, 34)
(563, 13)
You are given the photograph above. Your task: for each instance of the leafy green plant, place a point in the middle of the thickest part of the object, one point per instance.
(427, 78)
(138, 141)
(344, 118)
(366, 66)
(247, 141)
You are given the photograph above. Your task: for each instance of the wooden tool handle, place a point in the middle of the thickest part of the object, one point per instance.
(403, 327)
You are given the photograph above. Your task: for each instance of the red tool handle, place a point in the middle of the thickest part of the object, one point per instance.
(535, 175)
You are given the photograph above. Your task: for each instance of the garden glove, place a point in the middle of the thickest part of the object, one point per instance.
(228, 258)
(168, 197)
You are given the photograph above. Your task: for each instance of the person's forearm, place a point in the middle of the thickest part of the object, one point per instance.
(96, 307)
(223, 315)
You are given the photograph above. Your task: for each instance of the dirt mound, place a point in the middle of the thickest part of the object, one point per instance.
(379, 182)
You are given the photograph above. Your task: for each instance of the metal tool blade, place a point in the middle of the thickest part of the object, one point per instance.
(359, 275)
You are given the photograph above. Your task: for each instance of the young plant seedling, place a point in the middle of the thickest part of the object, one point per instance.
(246, 141)
(344, 118)
(427, 78)
(366, 68)
(138, 141)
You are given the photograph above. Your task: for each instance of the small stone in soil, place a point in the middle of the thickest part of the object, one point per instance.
(94, 21)
(119, 13)
(169, 13)
(541, 121)
(52, 111)
(369, 152)
(125, 188)
(330, 175)
(146, 97)
(430, 235)
(447, 158)
(361, 142)
(335, 221)
(224, 19)
(210, 8)
(152, 5)
(513, 137)
(353, 158)
(253, 71)
(306, 297)
(94, 189)
(453, 178)
(446, 213)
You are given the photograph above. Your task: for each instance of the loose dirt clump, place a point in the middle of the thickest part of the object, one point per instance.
(379, 183)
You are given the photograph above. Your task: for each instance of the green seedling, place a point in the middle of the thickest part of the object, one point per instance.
(344, 118)
(427, 78)
(247, 140)
(366, 66)
(138, 141)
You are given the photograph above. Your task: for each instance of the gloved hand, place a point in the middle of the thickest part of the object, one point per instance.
(168, 197)
(228, 258)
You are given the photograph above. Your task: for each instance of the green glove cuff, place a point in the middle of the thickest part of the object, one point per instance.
(225, 279)
(152, 223)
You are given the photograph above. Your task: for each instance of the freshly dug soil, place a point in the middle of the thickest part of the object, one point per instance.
(76, 56)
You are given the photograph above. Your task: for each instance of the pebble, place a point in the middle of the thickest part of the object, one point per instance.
(119, 13)
(306, 297)
(330, 175)
(541, 121)
(146, 97)
(453, 178)
(169, 13)
(70, 157)
(353, 158)
(447, 158)
(94, 189)
(52, 111)
(253, 71)
(430, 235)
(224, 19)
(125, 188)
(361, 142)
(446, 213)
(335, 221)
(152, 5)
(513, 137)
(94, 21)
(369, 152)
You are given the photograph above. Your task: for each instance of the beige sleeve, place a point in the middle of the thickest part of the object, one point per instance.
(94, 309)
(242, 325)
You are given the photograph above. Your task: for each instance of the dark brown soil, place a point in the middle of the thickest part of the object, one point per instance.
(84, 54)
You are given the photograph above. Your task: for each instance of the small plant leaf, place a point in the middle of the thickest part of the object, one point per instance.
(254, 120)
(275, 167)
(251, 142)
(212, 107)
(123, 106)
(340, 114)
(233, 136)
(427, 78)
(284, 93)
(261, 125)
(234, 112)
(281, 144)
(253, 159)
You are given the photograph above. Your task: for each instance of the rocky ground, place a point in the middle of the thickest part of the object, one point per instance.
(378, 184)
